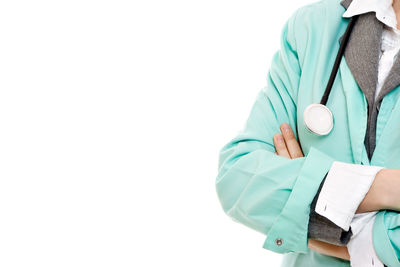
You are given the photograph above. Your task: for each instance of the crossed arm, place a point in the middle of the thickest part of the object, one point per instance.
(286, 145)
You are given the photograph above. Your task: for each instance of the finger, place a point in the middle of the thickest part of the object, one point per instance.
(292, 145)
(280, 146)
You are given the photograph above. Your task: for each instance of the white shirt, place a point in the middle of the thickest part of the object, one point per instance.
(347, 184)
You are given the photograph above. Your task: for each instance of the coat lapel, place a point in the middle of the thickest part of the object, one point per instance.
(362, 55)
(362, 52)
(345, 3)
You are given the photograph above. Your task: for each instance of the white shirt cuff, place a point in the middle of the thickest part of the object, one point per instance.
(361, 247)
(344, 189)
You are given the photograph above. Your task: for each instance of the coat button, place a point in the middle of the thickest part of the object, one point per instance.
(278, 241)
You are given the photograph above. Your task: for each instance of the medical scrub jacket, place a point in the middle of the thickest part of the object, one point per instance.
(272, 194)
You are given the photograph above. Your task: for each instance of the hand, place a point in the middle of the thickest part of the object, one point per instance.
(329, 249)
(286, 144)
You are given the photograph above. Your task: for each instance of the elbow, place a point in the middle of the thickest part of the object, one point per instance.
(225, 193)
(245, 195)
(234, 198)
(225, 182)
(239, 207)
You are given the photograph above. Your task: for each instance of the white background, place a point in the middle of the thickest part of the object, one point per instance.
(112, 115)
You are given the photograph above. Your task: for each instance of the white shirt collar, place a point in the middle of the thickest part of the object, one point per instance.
(383, 9)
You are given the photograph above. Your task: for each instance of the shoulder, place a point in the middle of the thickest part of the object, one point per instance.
(311, 23)
(319, 10)
(317, 15)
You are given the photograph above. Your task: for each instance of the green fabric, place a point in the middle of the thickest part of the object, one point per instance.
(383, 236)
(272, 194)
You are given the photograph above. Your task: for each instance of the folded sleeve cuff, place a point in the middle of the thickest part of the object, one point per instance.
(289, 232)
(344, 188)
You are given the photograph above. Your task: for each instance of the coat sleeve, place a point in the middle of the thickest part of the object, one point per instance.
(386, 237)
(259, 189)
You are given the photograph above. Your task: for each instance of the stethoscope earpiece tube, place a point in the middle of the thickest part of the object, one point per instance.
(335, 68)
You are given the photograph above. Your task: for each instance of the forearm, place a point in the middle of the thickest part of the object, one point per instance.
(328, 249)
(383, 193)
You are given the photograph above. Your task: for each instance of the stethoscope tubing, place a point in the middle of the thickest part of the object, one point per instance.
(339, 55)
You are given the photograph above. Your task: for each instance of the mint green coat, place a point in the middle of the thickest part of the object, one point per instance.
(272, 194)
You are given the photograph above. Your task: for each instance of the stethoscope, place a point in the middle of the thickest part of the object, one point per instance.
(317, 117)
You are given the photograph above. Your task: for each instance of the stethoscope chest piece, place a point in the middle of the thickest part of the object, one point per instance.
(318, 119)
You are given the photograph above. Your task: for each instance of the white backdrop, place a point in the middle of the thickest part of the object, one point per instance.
(112, 115)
